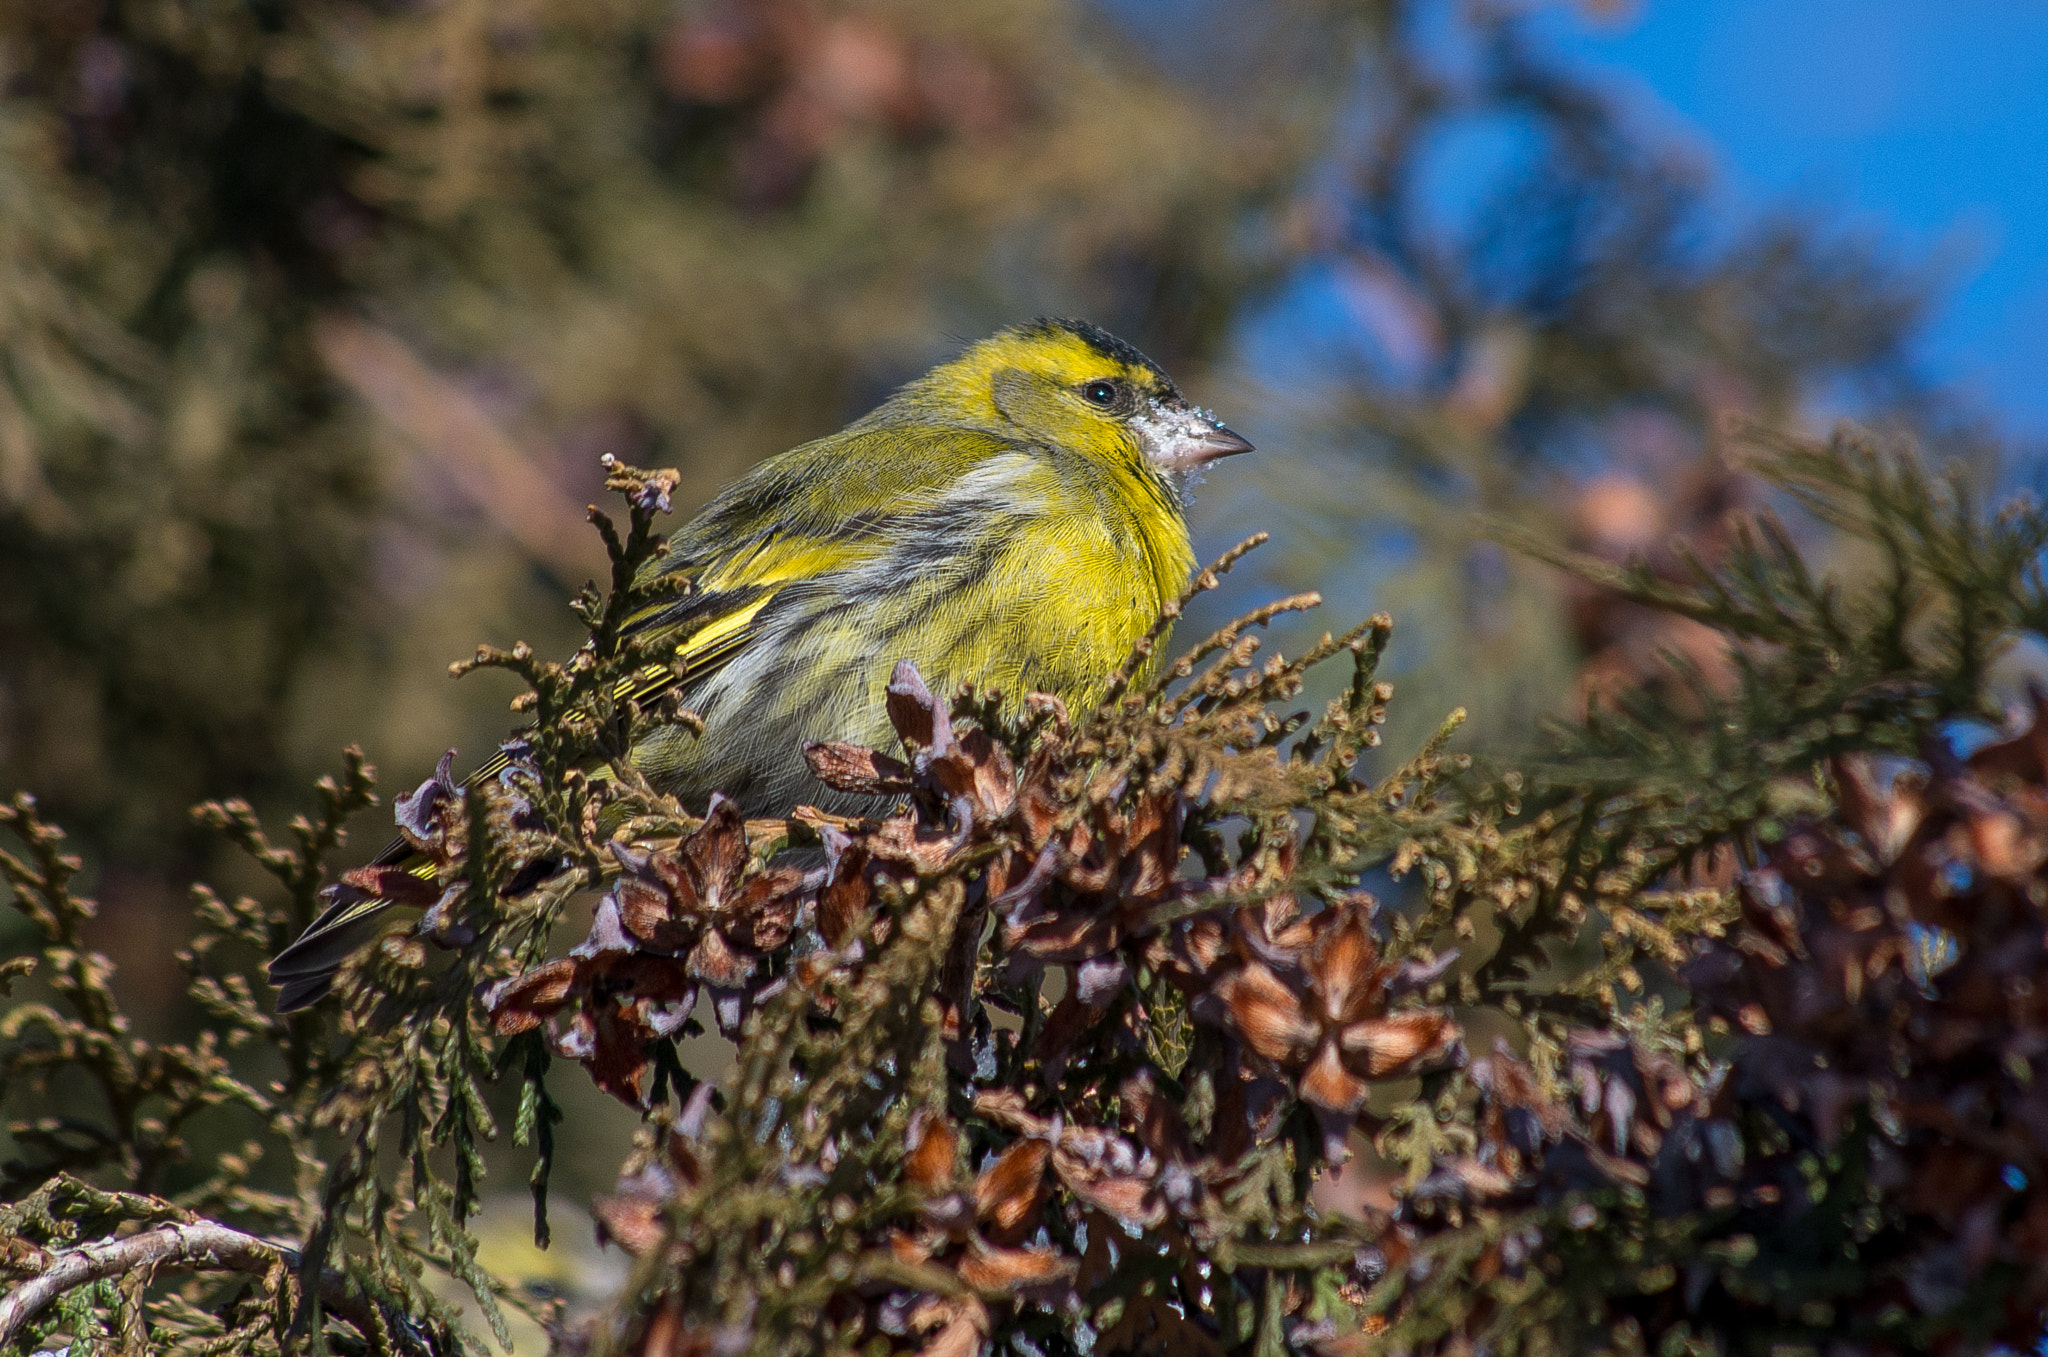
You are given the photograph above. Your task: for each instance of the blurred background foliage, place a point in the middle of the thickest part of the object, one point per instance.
(318, 317)
(315, 319)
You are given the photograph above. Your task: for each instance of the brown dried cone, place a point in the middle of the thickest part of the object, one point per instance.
(1884, 975)
(975, 1228)
(699, 915)
(1883, 1091)
(960, 1255)
(1074, 873)
(1079, 870)
(1543, 1147)
(1114, 865)
(960, 790)
(1310, 999)
(708, 914)
(663, 1166)
(1878, 980)
(1082, 875)
(1878, 1115)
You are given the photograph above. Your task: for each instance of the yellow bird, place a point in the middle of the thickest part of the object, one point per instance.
(1012, 519)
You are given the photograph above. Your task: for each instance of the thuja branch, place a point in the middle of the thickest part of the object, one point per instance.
(921, 1149)
(191, 1246)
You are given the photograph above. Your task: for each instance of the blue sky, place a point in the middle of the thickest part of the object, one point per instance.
(1925, 123)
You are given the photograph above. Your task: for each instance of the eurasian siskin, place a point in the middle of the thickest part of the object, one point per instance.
(1011, 519)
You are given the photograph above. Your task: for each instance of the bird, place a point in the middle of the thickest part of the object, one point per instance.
(1014, 519)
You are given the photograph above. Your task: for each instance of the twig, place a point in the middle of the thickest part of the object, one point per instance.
(200, 1246)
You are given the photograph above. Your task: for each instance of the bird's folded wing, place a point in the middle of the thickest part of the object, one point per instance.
(772, 530)
(816, 511)
(794, 522)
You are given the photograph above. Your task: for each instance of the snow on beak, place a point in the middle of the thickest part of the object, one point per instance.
(1181, 438)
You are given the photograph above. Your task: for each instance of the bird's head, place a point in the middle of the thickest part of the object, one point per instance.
(1070, 385)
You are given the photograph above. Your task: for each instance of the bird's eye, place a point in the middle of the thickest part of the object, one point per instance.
(1103, 394)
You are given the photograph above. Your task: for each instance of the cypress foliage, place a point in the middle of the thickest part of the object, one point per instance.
(1711, 1025)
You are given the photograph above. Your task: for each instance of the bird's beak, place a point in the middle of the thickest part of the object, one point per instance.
(1182, 438)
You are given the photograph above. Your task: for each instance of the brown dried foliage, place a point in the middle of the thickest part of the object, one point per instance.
(1064, 843)
(1719, 1030)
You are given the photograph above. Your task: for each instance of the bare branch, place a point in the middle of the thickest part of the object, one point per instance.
(199, 1246)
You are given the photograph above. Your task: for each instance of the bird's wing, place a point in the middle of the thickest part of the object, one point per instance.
(808, 513)
(819, 508)
(798, 518)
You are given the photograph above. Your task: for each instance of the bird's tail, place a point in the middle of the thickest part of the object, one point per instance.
(304, 971)
(400, 875)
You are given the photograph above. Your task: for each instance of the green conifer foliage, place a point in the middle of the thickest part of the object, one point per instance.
(1710, 1028)
(314, 319)
(1705, 1021)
